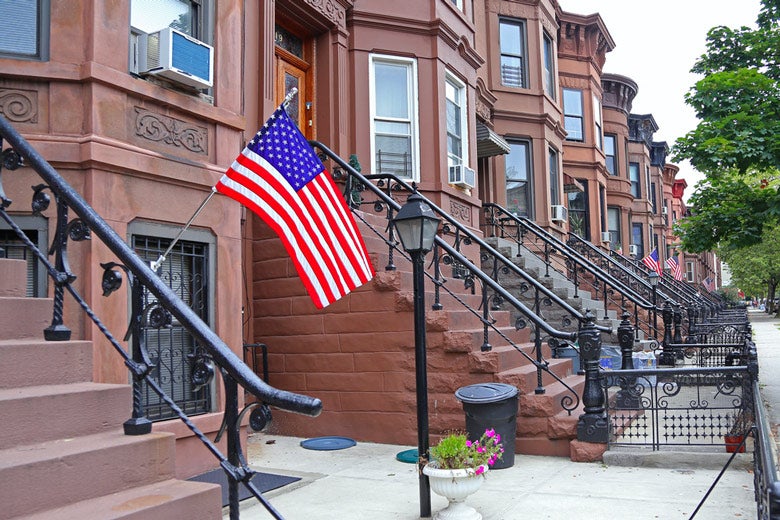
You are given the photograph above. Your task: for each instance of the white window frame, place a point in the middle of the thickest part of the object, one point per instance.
(599, 123)
(413, 109)
(613, 137)
(459, 87)
(553, 160)
(568, 114)
(690, 272)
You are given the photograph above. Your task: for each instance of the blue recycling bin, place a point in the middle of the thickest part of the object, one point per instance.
(491, 405)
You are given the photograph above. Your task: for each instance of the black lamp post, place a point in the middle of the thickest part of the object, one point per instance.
(416, 224)
(653, 278)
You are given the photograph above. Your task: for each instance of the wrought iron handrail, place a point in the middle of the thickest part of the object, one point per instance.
(356, 183)
(234, 370)
(766, 476)
(601, 284)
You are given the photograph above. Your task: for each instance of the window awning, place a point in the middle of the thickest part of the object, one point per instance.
(489, 143)
(572, 185)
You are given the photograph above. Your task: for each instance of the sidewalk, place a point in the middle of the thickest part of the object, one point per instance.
(366, 481)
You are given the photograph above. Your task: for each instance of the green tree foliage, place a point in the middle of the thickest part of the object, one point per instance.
(756, 269)
(737, 141)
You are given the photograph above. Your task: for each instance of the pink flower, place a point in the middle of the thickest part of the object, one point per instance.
(480, 449)
(468, 444)
(490, 433)
(498, 438)
(480, 470)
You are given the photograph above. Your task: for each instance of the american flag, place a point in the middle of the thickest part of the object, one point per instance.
(279, 177)
(674, 266)
(651, 261)
(709, 284)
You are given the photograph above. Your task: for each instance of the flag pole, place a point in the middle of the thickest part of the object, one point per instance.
(155, 265)
(158, 263)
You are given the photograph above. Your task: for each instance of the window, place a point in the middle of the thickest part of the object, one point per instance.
(512, 42)
(653, 199)
(578, 212)
(36, 229)
(633, 175)
(599, 124)
(25, 32)
(572, 114)
(518, 175)
(636, 239)
(647, 180)
(192, 17)
(550, 85)
(457, 3)
(610, 147)
(689, 272)
(394, 140)
(555, 190)
(613, 226)
(457, 124)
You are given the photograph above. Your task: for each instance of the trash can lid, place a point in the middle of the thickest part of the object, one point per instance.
(485, 392)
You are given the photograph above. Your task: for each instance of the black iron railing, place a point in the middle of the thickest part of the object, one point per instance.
(379, 194)
(766, 475)
(568, 260)
(165, 307)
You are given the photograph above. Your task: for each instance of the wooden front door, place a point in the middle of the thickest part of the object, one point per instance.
(293, 69)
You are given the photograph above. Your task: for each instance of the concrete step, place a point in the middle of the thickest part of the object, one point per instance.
(48, 475)
(13, 278)
(61, 411)
(169, 499)
(36, 362)
(26, 317)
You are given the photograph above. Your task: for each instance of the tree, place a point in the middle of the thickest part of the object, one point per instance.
(737, 141)
(756, 269)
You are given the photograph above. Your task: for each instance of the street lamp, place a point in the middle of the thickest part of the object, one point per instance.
(654, 278)
(416, 224)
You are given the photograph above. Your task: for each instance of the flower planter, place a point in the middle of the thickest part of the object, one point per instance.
(733, 442)
(455, 485)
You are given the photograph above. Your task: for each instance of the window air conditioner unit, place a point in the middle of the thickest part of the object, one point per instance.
(463, 176)
(633, 250)
(605, 237)
(664, 211)
(559, 213)
(177, 57)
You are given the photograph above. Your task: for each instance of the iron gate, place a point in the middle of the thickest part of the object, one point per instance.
(173, 351)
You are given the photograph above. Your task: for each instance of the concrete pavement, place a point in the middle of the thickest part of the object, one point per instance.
(366, 481)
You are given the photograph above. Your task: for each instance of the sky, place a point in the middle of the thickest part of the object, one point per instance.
(656, 44)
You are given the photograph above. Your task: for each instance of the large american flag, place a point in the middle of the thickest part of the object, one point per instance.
(651, 261)
(674, 266)
(279, 177)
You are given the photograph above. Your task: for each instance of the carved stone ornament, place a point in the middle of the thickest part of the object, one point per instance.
(460, 211)
(330, 10)
(170, 131)
(19, 106)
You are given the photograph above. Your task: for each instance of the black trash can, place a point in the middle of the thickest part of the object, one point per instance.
(491, 405)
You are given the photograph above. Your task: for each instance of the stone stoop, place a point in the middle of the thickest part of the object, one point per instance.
(63, 454)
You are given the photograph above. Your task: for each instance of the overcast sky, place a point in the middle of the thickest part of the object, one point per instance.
(656, 44)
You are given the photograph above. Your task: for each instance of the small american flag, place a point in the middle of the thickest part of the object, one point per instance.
(651, 261)
(279, 177)
(674, 266)
(709, 284)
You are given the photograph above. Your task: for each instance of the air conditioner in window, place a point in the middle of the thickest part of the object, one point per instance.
(463, 176)
(633, 250)
(664, 211)
(559, 213)
(605, 236)
(177, 57)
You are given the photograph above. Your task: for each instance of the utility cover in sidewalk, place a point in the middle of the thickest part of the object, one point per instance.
(328, 443)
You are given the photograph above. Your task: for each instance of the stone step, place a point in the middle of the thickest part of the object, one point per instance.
(13, 278)
(36, 362)
(26, 317)
(169, 499)
(35, 414)
(48, 475)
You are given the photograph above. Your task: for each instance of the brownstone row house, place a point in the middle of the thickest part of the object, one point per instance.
(508, 96)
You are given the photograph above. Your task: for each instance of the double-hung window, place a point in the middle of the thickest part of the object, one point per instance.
(513, 52)
(394, 133)
(610, 152)
(457, 125)
(25, 33)
(518, 178)
(633, 175)
(613, 226)
(573, 114)
(555, 190)
(598, 122)
(550, 84)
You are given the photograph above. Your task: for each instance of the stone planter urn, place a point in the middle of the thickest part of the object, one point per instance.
(455, 485)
